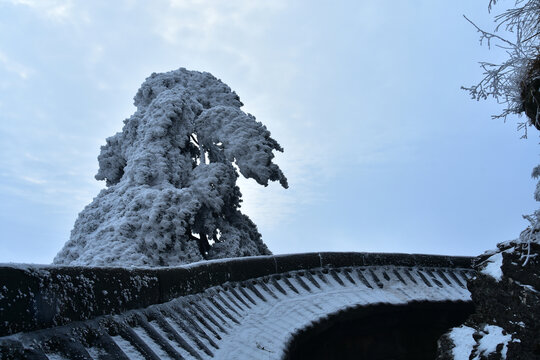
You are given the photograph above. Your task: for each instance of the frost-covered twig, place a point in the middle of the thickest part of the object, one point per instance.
(488, 36)
(528, 256)
(528, 236)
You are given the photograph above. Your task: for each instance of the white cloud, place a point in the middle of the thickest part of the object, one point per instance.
(57, 10)
(33, 180)
(208, 19)
(14, 67)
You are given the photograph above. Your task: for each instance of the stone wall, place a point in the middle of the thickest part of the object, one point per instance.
(34, 297)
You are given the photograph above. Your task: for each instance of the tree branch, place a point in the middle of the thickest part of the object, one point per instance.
(488, 35)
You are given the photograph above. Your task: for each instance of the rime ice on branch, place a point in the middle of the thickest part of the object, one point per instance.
(171, 195)
(514, 82)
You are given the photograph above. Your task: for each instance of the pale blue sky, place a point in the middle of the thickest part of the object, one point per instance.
(383, 151)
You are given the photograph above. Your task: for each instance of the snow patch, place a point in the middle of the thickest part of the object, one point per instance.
(162, 354)
(493, 266)
(493, 336)
(127, 348)
(527, 287)
(56, 356)
(462, 337)
(96, 353)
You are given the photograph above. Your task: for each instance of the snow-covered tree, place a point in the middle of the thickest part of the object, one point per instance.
(171, 195)
(514, 82)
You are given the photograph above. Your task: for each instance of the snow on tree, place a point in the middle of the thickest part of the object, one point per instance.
(516, 83)
(171, 195)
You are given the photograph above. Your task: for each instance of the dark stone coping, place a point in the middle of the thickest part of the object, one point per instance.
(34, 297)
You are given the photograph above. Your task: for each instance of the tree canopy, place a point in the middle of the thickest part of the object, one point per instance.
(171, 195)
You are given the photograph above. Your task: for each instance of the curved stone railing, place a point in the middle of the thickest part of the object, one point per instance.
(234, 308)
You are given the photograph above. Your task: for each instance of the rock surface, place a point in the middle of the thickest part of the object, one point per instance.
(506, 322)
